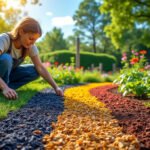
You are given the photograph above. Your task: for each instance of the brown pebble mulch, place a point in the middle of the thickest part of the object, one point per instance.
(132, 115)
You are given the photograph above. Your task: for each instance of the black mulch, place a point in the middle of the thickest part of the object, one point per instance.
(17, 131)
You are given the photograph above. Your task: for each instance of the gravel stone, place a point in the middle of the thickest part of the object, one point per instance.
(17, 130)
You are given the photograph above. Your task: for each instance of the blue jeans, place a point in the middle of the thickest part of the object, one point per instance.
(18, 76)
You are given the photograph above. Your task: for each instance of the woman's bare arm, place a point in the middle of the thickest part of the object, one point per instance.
(45, 74)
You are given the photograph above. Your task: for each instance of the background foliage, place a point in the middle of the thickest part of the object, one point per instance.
(87, 58)
(106, 26)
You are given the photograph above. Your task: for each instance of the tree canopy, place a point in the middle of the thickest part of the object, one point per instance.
(53, 40)
(88, 20)
(126, 16)
(9, 15)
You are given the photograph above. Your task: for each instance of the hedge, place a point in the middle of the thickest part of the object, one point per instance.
(86, 58)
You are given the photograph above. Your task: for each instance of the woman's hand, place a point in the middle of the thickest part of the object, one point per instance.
(45, 74)
(9, 93)
(59, 91)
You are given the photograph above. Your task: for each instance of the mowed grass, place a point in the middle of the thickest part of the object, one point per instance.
(24, 95)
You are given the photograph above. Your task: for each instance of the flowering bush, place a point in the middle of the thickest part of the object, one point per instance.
(134, 78)
(65, 74)
(69, 74)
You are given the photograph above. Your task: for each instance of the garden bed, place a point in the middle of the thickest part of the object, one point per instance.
(92, 116)
(86, 123)
(131, 113)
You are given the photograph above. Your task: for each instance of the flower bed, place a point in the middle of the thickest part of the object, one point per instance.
(86, 123)
(132, 115)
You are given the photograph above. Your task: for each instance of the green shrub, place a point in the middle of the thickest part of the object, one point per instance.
(64, 74)
(88, 76)
(86, 59)
(134, 79)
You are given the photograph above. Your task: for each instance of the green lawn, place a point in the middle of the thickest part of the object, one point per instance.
(24, 93)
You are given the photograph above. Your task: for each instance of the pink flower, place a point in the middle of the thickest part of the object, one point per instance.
(132, 63)
(64, 67)
(124, 58)
(141, 57)
(132, 51)
(147, 67)
(47, 64)
(136, 54)
(70, 68)
(124, 55)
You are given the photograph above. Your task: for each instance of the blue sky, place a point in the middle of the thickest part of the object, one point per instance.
(54, 13)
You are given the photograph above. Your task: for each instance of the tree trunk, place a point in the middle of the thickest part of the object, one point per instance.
(104, 47)
(77, 52)
(94, 44)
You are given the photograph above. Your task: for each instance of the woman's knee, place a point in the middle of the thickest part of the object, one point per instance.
(6, 61)
(33, 72)
(36, 74)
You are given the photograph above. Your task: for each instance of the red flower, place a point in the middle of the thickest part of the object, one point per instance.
(81, 67)
(56, 63)
(134, 60)
(143, 52)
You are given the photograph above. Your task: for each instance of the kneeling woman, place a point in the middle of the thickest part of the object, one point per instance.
(14, 47)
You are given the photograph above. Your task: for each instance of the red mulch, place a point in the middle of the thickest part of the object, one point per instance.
(131, 113)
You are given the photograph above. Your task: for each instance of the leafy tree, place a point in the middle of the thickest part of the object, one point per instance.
(71, 42)
(126, 17)
(9, 15)
(3, 26)
(53, 41)
(88, 21)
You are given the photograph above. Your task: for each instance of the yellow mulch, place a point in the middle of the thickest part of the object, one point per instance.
(86, 124)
